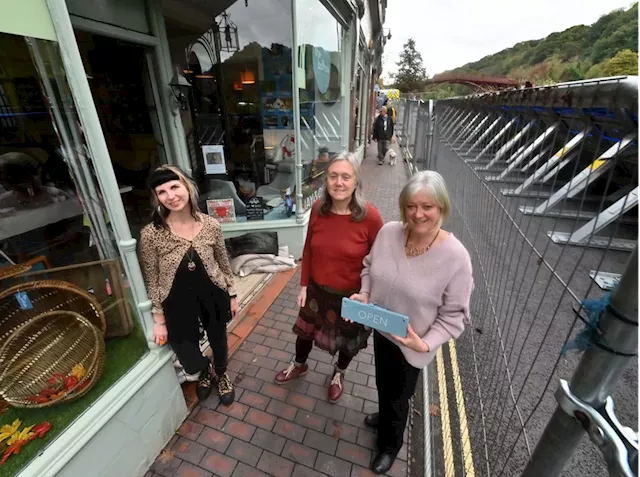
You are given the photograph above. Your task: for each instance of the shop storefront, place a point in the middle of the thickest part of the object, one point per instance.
(252, 98)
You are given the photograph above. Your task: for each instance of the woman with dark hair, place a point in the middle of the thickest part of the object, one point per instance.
(188, 276)
(342, 229)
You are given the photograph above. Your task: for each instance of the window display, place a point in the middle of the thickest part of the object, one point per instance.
(61, 281)
(320, 76)
(239, 120)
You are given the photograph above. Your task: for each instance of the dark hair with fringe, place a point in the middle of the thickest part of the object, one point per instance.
(162, 175)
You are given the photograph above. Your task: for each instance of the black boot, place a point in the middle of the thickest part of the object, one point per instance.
(225, 389)
(372, 420)
(383, 462)
(203, 389)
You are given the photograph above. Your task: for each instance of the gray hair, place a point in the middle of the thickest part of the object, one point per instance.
(432, 184)
(358, 204)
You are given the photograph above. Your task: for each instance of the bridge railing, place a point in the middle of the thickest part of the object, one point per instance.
(544, 186)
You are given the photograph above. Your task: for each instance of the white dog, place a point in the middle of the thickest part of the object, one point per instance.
(392, 157)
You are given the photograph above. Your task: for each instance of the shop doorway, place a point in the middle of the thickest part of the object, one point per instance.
(125, 92)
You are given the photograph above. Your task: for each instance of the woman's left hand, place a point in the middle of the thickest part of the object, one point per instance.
(412, 341)
(234, 307)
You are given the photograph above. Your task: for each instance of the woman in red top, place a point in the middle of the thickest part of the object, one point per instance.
(342, 229)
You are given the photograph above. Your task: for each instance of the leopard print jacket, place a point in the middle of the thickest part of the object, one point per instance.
(161, 253)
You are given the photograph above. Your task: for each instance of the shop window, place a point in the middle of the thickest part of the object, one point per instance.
(320, 78)
(53, 228)
(239, 118)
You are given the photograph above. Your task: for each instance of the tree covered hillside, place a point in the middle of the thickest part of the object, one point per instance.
(608, 47)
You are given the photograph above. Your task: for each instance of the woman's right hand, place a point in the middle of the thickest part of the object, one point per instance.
(159, 329)
(361, 297)
(302, 297)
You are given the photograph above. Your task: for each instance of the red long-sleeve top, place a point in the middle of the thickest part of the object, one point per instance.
(336, 246)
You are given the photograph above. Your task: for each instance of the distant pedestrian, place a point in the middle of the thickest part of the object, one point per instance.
(342, 228)
(417, 269)
(383, 133)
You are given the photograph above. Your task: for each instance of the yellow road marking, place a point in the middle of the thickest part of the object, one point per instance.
(467, 454)
(447, 441)
(597, 163)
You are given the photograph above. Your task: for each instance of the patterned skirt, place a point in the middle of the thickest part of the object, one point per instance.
(320, 321)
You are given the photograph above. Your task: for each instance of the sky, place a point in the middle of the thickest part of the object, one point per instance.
(451, 33)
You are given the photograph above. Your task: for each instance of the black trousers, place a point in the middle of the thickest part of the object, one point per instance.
(396, 382)
(194, 296)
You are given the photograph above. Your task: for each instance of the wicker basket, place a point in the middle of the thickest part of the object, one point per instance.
(50, 345)
(46, 296)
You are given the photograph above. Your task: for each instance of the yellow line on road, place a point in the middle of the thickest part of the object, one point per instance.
(467, 454)
(447, 441)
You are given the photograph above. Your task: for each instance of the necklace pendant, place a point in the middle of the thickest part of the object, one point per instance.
(191, 265)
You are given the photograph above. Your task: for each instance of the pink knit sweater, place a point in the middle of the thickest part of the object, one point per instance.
(432, 289)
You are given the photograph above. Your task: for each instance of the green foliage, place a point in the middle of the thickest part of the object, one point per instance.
(411, 74)
(624, 63)
(574, 54)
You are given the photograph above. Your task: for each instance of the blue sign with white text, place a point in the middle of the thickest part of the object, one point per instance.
(375, 317)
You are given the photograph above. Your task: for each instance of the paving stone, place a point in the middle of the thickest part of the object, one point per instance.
(219, 464)
(320, 441)
(370, 407)
(364, 358)
(280, 409)
(189, 450)
(353, 453)
(278, 325)
(350, 402)
(299, 453)
(267, 375)
(214, 439)
(367, 369)
(310, 420)
(243, 470)
(332, 411)
(243, 356)
(190, 429)
(268, 441)
(301, 401)
(302, 471)
(239, 429)
(355, 418)
(357, 471)
(325, 368)
(212, 402)
(236, 409)
(189, 470)
(244, 452)
(264, 362)
(367, 439)
(332, 466)
(248, 382)
(275, 465)
(275, 391)
(280, 355)
(166, 464)
(290, 337)
(210, 418)
(316, 378)
(261, 419)
(278, 344)
(365, 392)
(289, 430)
(318, 392)
(256, 338)
(356, 377)
(255, 400)
(340, 430)
(399, 469)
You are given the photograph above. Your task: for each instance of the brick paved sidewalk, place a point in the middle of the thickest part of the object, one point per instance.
(290, 430)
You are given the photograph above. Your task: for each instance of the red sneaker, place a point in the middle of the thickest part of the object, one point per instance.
(294, 371)
(336, 386)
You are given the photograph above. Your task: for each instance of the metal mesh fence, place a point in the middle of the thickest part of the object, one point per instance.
(544, 189)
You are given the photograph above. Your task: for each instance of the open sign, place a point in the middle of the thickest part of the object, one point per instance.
(375, 317)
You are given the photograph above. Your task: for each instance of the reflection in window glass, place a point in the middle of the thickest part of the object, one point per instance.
(53, 227)
(319, 70)
(239, 120)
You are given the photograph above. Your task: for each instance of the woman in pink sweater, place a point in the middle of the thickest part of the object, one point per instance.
(420, 270)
